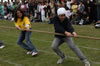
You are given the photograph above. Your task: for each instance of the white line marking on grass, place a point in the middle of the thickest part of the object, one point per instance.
(68, 56)
(97, 49)
(93, 62)
(90, 48)
(10, 62)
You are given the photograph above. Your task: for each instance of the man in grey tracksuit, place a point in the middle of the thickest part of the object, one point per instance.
(62, 25)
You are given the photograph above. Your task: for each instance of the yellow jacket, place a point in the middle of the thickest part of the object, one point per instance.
(23, 23)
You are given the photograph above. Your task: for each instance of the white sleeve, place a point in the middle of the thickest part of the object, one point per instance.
(27, 25)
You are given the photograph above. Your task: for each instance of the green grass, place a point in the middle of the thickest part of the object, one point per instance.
(13, 55)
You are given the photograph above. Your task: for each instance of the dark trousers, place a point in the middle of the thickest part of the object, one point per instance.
(1, 43)
(98, 12)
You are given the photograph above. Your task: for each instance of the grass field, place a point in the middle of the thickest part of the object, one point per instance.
(13, 55)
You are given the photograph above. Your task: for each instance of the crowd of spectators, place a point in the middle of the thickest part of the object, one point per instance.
(78, 11)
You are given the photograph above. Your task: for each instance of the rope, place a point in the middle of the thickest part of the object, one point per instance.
(79, 36)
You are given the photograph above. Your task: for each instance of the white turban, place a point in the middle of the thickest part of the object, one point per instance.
(61, 11)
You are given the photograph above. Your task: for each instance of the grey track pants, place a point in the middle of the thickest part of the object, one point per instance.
(58, 41)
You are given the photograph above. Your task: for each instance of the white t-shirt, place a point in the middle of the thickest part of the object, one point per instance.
(68, 13)
(68, 3)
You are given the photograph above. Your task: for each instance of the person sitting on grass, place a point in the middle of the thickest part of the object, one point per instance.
(63, 26)
(22, 23)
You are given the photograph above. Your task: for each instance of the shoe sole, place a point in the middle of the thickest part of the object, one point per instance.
(35, 55)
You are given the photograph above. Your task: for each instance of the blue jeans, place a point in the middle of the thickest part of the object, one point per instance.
(24, 35)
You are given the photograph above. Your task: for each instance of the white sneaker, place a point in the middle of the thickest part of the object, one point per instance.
(2, 46)
(87, 64)
(61, 60)
(29, 52)
(34, 53)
